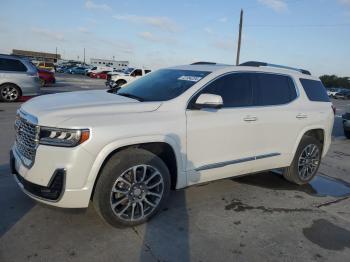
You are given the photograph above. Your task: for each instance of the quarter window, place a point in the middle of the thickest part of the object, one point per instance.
(235, 90)
(12, 65)
(315, 90)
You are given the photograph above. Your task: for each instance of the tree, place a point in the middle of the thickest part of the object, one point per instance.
(335, 81)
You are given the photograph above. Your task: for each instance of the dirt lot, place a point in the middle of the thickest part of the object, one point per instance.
(260, 217)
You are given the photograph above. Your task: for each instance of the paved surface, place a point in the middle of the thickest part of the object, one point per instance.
(259, 217)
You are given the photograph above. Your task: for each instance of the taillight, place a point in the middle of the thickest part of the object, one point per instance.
(334, 109)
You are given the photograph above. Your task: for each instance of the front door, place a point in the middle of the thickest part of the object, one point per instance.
(221, 142)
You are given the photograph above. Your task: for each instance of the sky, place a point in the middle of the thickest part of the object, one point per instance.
(309, 34)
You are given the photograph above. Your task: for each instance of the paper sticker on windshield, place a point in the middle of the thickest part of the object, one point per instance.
(190, 78)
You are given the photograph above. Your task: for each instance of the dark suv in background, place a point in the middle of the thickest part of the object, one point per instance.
(18, 77)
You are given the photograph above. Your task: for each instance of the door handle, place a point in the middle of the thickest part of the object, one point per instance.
(250, 118)
(301, 116)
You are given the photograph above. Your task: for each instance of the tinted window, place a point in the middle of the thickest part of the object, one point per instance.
(137, 72)
(235, 90)
(315, 90)
(12, 65)
(273, 89)
(162, 85)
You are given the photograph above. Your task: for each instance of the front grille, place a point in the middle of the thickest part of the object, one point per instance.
(26, 140)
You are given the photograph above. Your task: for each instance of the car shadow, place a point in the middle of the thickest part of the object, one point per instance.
(13, 203)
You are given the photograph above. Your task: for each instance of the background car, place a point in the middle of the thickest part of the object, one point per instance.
(344, 94)
(47, 66)
(78, 70)
(100, 75)
(98, 69)
(18, 78)
(346, 122)
(46, 77)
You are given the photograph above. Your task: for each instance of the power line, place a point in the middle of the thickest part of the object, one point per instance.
(305, 25)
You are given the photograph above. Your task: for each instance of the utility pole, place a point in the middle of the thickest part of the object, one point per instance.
(239, 37)
(84, 55)
(56, 54)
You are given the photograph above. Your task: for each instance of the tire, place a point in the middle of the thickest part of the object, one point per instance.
(347, 134)
(295, 173)
(42, 82)
(9, 93)
(119, 83)
(129, 201)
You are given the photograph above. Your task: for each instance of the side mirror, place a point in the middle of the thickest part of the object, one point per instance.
(208, 101)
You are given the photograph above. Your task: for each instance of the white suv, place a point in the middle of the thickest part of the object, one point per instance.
(173, 128)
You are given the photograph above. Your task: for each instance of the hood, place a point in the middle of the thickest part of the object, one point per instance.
(53, 109)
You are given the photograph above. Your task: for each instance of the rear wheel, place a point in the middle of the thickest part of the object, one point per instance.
(132, 187)
(9, 93)
(306, 161)
(42, 82)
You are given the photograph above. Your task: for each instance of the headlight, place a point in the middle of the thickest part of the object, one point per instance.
(62, 136)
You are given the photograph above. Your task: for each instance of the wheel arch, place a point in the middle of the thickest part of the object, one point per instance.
(159, 146)
(13, 84)
(318, 132)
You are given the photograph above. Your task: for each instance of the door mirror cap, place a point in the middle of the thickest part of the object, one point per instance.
(209, 101)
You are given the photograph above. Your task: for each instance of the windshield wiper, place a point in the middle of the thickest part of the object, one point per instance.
(131, 96)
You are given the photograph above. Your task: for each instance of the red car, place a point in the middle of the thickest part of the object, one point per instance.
(100, 75)
(46, 77)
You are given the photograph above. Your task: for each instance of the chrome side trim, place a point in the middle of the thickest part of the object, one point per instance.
(267, 155)
(237, 161)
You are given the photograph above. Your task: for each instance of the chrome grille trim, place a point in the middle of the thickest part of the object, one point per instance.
(27, 138)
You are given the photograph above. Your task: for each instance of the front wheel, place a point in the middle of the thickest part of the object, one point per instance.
(306, 161)
(132, 187)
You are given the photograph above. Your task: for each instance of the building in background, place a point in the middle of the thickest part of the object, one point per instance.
(109, 63)
(37, 56)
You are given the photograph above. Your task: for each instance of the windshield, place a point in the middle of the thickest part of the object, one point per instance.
(129, 70)
(162, 85)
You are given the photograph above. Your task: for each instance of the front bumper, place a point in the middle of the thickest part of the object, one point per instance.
(53, 192)
(57, 177)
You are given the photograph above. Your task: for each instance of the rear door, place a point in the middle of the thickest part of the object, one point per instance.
(279, 119)
(13, 71)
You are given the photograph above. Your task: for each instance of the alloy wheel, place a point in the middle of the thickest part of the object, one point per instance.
(308, 162)
(9, 93)
(137, 193)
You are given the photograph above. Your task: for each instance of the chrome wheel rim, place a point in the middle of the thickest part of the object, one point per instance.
(137, 192)
(308, 162)
(9, 93)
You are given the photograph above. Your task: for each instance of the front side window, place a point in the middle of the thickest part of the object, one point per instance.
(235, 90)
(271, 89)
(162, 85)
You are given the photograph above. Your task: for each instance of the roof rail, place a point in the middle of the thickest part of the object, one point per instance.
(203, 63)
(258, 64)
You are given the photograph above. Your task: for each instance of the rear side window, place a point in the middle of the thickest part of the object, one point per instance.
(12, 65)
(273, 89)
(314, 90)
(235, 90)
